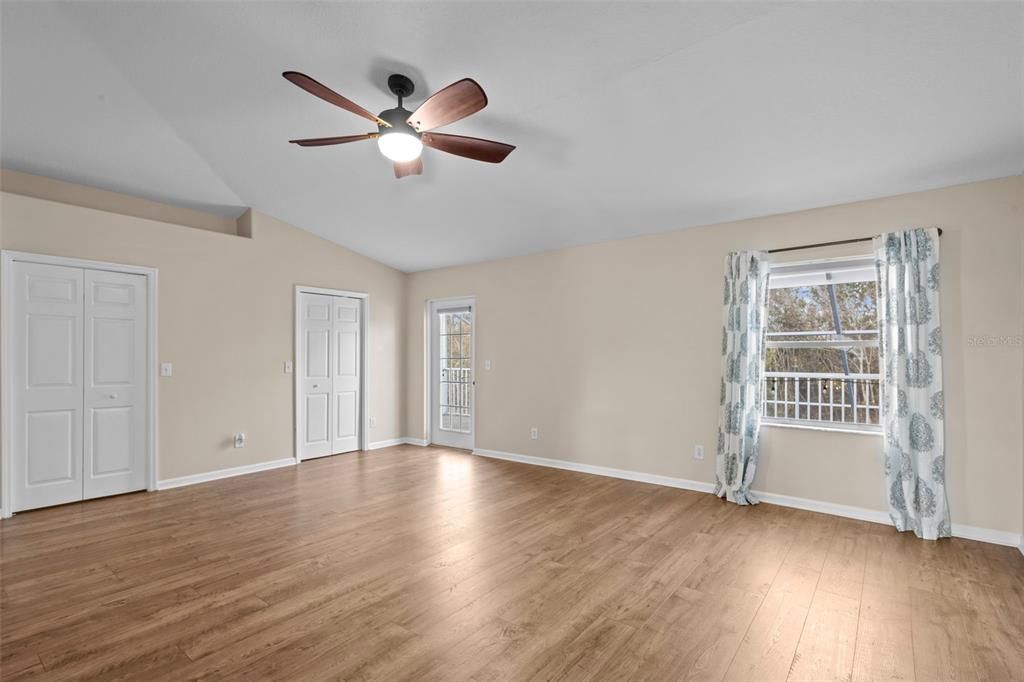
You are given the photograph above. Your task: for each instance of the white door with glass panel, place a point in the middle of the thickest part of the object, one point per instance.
(78, 349)
(329, 365)
(452, 379)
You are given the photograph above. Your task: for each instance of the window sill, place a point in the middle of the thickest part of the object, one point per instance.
(831, 428)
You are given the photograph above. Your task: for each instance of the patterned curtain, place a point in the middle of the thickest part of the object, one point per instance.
(739, 417)
(911, 358)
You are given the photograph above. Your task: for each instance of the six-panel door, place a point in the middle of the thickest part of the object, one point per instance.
(315, 380)
(329, 381)
(346, 374)
(79, 388)
(115, 383)
(46, 367)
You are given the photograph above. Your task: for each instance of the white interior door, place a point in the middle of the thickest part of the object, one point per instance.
(47, 356)
(115, 383)
(452, 374)
(346, 371)
(315, 379)
(330, 366)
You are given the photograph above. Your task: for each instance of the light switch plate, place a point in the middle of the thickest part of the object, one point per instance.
(487, 364)
(166, 369)
(698, 452)
(288, 367)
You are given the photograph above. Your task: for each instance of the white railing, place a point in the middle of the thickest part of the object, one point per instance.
(821, 398)
(456, 399)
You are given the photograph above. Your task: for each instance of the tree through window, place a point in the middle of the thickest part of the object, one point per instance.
(821, 358)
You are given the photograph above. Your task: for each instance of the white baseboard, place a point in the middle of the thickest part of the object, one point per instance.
(385, 443)
(996, 537)
(668, 481)
(223, 473)
(397, 441)
(844, 510)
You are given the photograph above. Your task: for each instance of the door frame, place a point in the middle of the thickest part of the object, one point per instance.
(428, 367)
(7, 260)
(364, 365)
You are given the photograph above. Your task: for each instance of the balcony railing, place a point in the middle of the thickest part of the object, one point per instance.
(455, 397)
(822, 399)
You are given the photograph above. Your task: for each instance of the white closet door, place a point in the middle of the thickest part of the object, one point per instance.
(46, 364)
(315, 379)
(115, 383)
(346, 370)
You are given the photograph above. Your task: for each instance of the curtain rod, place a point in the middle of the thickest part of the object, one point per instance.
(820, 244)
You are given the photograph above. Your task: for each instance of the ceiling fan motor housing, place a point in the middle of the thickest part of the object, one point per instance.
(397, 117)
(400, 85)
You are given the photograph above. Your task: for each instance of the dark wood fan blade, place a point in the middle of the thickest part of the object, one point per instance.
(324, 141)
(470, 147)
(317, 88)
(457, 101)
(403, 168)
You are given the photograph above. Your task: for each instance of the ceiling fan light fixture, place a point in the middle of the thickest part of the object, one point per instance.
(399, 146)
(402, 134)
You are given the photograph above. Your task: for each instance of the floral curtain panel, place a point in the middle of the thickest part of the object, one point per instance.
(739, 421)
(911, 358)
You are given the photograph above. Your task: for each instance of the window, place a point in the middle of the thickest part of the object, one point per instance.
(456, 370)
(821, 357)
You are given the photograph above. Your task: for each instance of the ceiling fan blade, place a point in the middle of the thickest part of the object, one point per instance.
(457, 101)
(470, 147)
(414, 167)
(317, 88)
(324, 141)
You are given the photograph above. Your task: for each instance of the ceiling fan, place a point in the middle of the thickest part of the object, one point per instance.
(402, 134)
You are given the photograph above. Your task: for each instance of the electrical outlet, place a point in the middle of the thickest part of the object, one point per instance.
(239, 440)
(288, 367)
(534, 433)
(698, 452)
(373, 422)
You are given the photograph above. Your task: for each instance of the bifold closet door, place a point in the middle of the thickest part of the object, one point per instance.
(329, 362)
(46, 358)
(315, 386)
(115, 381)
(346, 370)
(79, 389)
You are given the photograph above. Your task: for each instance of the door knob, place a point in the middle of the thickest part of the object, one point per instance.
(112, 396)
(316, 385)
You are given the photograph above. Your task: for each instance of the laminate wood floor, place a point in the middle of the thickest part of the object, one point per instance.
(434, 564)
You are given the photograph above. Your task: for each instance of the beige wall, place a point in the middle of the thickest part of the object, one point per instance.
(26, 184)
(612, 350)
(226, 306)
(560, 330)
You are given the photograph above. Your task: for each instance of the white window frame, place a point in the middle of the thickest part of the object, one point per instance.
(816, 273)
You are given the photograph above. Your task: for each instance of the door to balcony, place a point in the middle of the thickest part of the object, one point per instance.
(452, 377)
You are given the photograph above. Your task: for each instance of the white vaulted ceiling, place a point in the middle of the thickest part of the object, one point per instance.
(629, 118)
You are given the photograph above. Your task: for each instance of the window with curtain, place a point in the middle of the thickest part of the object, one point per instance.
(821, 363)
